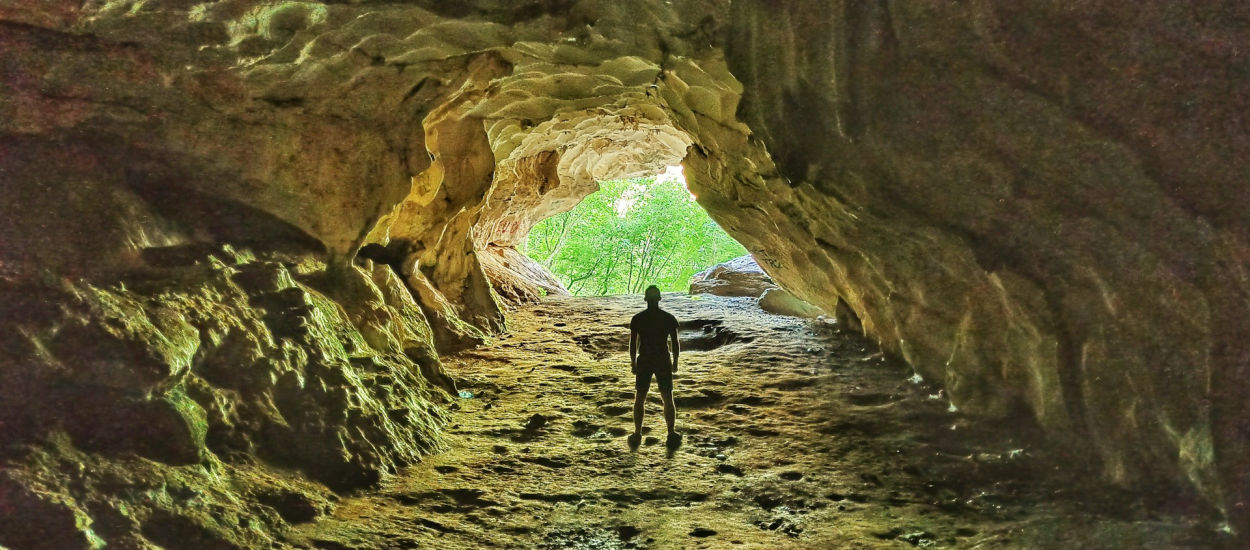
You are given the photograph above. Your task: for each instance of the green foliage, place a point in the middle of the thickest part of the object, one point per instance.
(630, 234)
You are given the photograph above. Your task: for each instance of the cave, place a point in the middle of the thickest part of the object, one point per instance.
(260, 284)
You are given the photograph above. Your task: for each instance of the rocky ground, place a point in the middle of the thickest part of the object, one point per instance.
(796, 437)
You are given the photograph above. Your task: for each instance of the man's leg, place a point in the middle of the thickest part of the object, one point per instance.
(670, 412)
(641, 383)
(665, 382)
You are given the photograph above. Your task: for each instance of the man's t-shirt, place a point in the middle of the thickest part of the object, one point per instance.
(653, 327)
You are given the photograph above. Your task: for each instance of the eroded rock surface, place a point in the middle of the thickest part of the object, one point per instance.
(795, 437)
(175, 407)
(780, 302)
(517, 277)
(1031, 203)
(740, 276)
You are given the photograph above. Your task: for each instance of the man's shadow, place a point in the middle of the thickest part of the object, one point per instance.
(671, 445)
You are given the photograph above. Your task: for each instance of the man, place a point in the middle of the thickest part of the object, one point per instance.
(650, 333)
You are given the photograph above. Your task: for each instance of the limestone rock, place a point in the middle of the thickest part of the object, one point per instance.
(780, 302)
(1018, 218)
(846, 318)
(450, 331)
(38, 516)
(737, 277)
(226, 357)
(517, 277)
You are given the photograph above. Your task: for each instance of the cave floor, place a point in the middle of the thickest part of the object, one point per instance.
(795, 437)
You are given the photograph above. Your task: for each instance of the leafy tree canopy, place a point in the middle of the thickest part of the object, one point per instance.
(628, 235)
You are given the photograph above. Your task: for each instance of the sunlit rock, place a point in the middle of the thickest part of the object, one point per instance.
(737, 277)
(517, 277)
(780, 302)
(225, 357)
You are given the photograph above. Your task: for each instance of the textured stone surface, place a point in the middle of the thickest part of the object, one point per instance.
(195, 374)
(778, 301)
(517, 277)
(1039, 206)
(794, 438)
(1031, 202)
(737, 277)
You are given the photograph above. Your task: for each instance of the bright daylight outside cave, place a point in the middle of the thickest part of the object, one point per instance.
(319, 274)
(629, 235)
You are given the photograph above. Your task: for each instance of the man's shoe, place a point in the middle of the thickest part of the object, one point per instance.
(634, 439)
(674, 439)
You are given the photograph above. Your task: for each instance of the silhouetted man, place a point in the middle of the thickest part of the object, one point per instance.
(650, 333)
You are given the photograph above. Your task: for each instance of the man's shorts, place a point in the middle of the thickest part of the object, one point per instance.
(660, 367)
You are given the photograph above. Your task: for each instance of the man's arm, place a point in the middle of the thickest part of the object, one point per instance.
(676, 346)
(633, 352)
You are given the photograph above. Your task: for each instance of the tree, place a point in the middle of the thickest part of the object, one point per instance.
(630, 234)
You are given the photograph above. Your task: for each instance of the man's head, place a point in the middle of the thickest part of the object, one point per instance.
(652, 294)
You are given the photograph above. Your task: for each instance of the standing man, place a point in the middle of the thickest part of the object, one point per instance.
(650, 333)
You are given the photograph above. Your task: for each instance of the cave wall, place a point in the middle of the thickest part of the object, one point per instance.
(209, 401)
(1032, 202)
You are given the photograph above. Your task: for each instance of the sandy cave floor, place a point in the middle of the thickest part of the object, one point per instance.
(795, 437)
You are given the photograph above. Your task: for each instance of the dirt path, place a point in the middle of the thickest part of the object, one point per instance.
(795, 438)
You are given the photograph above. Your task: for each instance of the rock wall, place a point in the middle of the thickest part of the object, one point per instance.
(1032, 202)
(166, 407)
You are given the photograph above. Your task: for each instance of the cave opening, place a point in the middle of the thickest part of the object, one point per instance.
(629, 234)
(248, 244)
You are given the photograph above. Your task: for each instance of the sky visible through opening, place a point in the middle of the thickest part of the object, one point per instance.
(631, 234)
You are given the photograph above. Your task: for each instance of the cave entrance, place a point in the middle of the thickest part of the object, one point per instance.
(629, 234)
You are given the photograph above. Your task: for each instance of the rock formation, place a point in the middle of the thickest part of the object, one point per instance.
(168, 386)
(1038, 206)
(779, 301)
(516, 277)
(740, 276)
(1032, 203)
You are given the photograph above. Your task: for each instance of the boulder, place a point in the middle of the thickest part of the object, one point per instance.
(740, 276)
